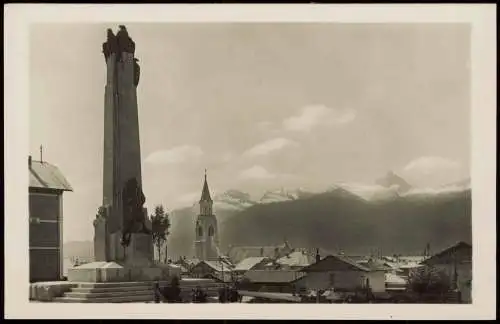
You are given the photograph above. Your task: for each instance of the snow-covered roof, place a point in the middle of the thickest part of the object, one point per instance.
(249, 263)
(217, 266)
(46, 175)
(296, 259)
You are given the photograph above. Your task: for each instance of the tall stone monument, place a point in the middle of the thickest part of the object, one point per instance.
(122, 237)
(123, 233)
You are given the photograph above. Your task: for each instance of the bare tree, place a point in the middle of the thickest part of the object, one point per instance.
(429, 280)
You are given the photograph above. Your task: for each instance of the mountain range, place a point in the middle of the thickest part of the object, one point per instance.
(390, 216)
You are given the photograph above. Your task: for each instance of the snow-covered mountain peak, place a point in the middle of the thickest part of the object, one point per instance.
(284, 194)
(233, 199)
(367, 192)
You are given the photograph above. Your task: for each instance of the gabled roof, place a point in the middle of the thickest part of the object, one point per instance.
(221, 276)
(249, 263)
(296, 259)
(216, 265)
(446, 255)
(239, 253)
(358, 258)
(47, 176)
(187, 263)
(411, 259)
(336, 263)
(273, 276)
(376, 265)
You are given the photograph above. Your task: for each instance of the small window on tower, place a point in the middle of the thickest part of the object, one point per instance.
(210, 231)
(200, 231)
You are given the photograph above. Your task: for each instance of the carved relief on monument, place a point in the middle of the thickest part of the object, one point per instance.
(100, 216)
(134, 220)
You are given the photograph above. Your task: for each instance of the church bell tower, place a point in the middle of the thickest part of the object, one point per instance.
(206, 231)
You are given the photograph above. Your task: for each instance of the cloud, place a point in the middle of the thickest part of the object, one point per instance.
(315, 115)
(433, 171)
(435, 191)
(174, 155)
(263, 125)
(227, 157)
(431, 164)
(256, 172)
(191, 197)
(269, 146)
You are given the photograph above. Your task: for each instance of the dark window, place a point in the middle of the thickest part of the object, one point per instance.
(44, 234)
(44, 265)
(44, 206)
(210, 231)
(200, 231)
(332, 279)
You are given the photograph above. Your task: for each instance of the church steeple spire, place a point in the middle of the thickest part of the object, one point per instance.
(206, 239)
(205, 194)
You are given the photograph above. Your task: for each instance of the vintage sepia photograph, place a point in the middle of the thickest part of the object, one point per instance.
(250, 162)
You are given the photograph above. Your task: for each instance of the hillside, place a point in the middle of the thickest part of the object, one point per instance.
(338, 219)
(80, 249)
(181, 239)
(352, 217)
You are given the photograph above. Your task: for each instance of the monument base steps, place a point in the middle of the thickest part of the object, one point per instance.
(128, 292)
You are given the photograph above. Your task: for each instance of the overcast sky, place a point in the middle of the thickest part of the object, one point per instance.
(261, 106)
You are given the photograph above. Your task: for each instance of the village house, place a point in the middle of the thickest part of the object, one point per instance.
(282, 281)
(46, 187)
(395, 283)
(252, 263)
(238, 253)
(456, 262)
(218, 270)
(296, 260)
(343, 274)
(187, 264)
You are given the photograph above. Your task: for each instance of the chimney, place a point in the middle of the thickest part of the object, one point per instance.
(318, 257)
(29, 161)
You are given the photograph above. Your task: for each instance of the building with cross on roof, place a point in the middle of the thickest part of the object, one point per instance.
(206, 229)
(46, 187)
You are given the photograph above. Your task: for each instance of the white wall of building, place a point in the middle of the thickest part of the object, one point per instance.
(349, 280)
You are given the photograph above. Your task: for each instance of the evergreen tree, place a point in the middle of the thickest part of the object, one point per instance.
(160, 224)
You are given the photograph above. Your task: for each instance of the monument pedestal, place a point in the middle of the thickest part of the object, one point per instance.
(133, 263)
(140, 251)
(96, 272)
